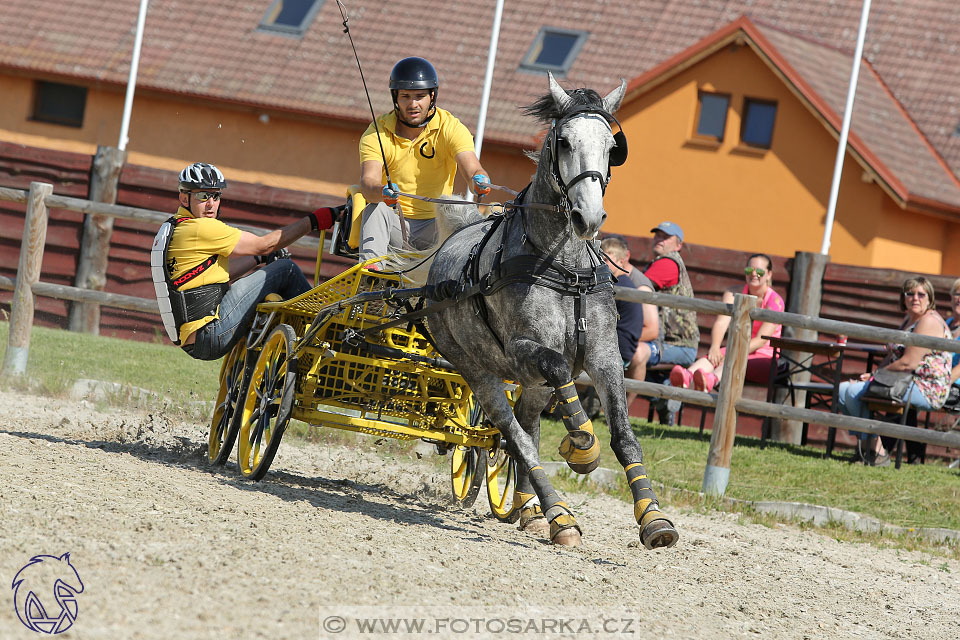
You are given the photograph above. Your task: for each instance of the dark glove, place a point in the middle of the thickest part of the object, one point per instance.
(324, 217)
(279, 254)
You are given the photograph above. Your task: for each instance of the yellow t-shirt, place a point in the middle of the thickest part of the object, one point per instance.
(426, 166)
(192, 242)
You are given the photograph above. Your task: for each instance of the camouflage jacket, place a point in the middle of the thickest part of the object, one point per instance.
(679, 327)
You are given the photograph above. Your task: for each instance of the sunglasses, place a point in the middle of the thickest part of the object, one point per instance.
(915, 294)
(203, 196)
(760, 271)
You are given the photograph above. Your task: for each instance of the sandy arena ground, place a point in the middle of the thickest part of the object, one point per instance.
(168, 547)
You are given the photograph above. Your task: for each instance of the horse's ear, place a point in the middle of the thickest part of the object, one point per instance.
(559, 95)
(612, 101)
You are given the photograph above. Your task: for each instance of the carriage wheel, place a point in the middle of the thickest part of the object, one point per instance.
(501, 482)
(464, 479)
(267, 403)
(223, 427)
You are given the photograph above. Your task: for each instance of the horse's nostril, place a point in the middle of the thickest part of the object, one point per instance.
(577, 218)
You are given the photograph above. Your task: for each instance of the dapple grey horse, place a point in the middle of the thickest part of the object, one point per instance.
(530, 333)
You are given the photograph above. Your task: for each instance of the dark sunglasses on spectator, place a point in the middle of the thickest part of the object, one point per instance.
(760, 271)
(203, 196)
(915, 294)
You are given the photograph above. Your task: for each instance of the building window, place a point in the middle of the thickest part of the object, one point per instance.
(758, 118)
(59, 103)
(554, 50)
(712, 116)
(290, 16)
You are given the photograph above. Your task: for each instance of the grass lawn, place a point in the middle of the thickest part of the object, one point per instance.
(915, 496)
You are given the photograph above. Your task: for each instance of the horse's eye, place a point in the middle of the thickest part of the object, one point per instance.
(563, 143)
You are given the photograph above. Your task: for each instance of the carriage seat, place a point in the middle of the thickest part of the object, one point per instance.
(346, 233)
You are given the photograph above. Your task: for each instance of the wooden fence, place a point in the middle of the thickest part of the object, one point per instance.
(39, 199)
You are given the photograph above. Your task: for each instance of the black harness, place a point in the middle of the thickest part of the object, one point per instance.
(195, 303)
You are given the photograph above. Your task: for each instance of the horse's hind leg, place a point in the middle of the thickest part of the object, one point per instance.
(655, 529)
(532, 401)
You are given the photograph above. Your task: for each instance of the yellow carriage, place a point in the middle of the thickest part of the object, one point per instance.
(314, 358)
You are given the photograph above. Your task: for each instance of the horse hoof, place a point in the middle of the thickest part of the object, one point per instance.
(659, 534)
(584, 469)
(568, 538)
(532, 521)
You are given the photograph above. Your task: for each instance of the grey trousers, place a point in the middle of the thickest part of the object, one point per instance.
(380, 232)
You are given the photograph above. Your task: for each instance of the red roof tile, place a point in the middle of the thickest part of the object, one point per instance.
(212, 50)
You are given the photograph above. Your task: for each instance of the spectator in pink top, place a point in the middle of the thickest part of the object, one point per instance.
(706, 372)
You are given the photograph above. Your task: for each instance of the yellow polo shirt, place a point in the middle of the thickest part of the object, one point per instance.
(426, 166)
(194, 241)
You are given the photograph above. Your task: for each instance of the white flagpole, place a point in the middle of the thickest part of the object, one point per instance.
(132, 79)
(845, 130)
(487, 82)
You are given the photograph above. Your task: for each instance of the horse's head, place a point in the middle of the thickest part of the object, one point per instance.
(579, 150)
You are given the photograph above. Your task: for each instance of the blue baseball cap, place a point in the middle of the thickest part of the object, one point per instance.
(669, 228)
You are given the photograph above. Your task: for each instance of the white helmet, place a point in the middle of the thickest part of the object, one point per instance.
(201, 175)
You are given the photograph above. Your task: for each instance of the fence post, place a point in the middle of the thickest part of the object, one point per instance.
(28, 273)
(717, 473)
(95, 239)
(806, 291)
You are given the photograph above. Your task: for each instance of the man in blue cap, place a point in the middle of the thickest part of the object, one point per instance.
(680, 335)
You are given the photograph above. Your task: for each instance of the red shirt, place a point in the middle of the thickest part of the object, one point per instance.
(663, 272)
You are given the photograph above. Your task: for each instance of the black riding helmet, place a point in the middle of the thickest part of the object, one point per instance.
(410, 74)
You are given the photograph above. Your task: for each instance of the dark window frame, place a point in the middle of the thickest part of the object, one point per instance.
(529, 62)
(726, 114)
(38, 112)
(747, 102)
(285, 29)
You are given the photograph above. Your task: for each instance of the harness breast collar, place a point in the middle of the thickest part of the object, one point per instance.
(536, 268)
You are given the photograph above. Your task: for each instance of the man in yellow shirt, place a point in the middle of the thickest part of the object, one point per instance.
(424, 146)
(208, 315)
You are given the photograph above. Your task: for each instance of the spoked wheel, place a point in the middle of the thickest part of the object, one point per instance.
(501, 482)
(464, 476)
(223, 427)
(267, 403)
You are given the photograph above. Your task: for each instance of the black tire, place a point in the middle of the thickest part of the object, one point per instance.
(465, 479)
(501, 474)
(267, 404)
(223, 425)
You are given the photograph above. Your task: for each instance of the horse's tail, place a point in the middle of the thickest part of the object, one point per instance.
(415, 264)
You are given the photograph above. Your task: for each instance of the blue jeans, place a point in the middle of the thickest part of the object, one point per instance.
(850, 393)
(239, 305)
(671, 354)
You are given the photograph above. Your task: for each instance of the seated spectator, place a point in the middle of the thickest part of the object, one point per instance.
(931, 369)
(953, 323)
(706, 372)
(618, 259)
(679, 334)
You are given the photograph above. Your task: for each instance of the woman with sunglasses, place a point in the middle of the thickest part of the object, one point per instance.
(931, 370)
(706, 372)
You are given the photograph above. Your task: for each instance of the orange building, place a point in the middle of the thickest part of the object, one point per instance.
(737, 138)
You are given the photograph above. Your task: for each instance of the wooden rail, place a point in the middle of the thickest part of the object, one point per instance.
(39, 199)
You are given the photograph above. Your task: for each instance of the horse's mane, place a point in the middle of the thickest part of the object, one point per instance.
(545, 108)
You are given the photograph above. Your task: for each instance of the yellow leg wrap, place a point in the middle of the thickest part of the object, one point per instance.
(580, 458)
(640, 510)
(520, 498)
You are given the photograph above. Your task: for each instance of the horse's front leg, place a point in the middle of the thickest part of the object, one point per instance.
(532, 401)
(655, 529)
(533, 361)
